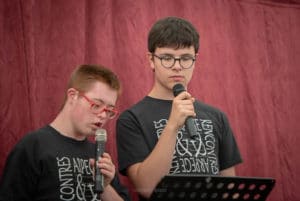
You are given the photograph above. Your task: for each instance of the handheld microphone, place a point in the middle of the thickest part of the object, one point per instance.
(100, 138)
(189, 122)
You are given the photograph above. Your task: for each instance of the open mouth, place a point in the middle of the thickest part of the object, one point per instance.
(99, 125)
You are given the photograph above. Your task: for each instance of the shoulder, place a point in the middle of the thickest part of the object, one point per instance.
(40, 133)
(134, 109)
(211, 112)
(29, 147)
(34, 138)
(147, 105)
(33, 135)
(207, 108)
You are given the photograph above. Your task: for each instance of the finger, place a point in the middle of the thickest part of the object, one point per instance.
(92, 161)
(183, 95)
(106, 165)
(184, 106)
(106, 155)
(107, 173)
(106, 160)
(108, 170)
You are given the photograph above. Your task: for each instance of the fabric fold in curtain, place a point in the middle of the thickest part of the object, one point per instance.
(248, 66)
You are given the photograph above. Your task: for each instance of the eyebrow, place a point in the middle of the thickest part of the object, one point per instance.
(182, 55)
(102, 102)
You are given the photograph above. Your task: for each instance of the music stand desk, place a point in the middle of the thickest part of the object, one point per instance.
(212, 188)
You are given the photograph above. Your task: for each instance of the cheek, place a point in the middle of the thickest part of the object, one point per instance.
(79, 116)
(81, 121)
(189, 75)
(159, 75)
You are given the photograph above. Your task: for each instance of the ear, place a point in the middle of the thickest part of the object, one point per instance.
(196, 56)
(72, 94)
(151, 60)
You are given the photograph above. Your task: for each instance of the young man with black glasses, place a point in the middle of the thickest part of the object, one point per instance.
(56, 161)
(151, 136)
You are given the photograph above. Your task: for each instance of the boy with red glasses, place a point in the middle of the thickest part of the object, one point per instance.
(55, 162)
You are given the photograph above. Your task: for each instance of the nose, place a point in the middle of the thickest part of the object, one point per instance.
(177, 65)
(103, 114)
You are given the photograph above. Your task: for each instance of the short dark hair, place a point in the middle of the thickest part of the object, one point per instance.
(173, 32)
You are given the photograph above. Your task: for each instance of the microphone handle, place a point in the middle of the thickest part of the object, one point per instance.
(191, 128)
(99, 180)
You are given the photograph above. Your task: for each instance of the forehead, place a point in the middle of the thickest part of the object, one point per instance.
(102, 91)
(177, 51)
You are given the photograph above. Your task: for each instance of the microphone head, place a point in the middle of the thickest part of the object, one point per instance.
(101, 135)
(177, 89)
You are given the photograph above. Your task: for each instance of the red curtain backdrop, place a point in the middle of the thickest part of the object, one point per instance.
(248, 66)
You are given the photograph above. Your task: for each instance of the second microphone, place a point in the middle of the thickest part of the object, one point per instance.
(189, 122)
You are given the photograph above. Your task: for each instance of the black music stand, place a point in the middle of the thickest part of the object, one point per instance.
(212, 188)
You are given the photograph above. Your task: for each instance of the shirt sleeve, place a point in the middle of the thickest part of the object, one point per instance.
(229, 154)
(132, 145)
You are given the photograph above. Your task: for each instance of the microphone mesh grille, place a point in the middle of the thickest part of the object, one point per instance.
(101, 135)
(177, 89)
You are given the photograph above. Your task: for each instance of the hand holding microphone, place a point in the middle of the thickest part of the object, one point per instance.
(104, 168)
(189, 122)
(100, 138)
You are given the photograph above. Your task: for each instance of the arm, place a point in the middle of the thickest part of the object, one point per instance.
(228, 172)
(146, 175)
(109, 194)
(229, 152)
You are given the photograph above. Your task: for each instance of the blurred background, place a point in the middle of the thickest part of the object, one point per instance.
(248, 66)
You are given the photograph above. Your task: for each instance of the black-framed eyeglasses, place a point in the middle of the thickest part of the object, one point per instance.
(97, 108)
(168, 61)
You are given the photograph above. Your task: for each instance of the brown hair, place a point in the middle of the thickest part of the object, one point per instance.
(87, 74)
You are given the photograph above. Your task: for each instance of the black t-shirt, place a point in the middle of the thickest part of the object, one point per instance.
(46, 165)
(139, 128)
